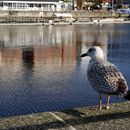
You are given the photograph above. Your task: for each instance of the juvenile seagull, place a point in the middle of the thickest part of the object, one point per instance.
(105, 77)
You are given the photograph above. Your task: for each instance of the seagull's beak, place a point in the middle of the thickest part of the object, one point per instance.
(83, 55)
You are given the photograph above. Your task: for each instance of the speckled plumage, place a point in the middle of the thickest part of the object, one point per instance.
(106, 78)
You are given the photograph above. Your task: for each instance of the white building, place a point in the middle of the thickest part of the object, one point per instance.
(34, 5)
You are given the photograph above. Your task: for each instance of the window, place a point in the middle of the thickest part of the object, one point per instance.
(31, 5)
(38, 5)
(1, 4)
(9, 4)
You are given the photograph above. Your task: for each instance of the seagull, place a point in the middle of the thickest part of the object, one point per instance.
(105, 77)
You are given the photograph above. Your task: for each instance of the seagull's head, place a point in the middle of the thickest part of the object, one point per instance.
(94, 52)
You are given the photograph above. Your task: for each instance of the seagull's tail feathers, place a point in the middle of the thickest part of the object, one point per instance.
(127, 96)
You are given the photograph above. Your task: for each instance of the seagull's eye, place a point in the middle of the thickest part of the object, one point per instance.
(91, 49)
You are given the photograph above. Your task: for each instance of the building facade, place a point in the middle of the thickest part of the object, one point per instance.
(35, 5)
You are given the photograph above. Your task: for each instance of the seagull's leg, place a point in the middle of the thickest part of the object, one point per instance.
(100, 102)
(108, 105)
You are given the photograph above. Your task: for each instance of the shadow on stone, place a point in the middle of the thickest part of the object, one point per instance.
(75, 121)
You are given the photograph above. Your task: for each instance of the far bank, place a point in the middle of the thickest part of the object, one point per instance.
(56, 16)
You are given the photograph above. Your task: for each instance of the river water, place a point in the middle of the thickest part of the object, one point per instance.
(41, 69)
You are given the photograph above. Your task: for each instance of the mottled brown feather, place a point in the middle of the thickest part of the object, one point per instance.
(106, 78)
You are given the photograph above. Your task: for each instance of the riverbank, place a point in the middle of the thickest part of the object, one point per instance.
(44, 18)
(61, 23)
(86, 118)
(94, 21)
(52, 14)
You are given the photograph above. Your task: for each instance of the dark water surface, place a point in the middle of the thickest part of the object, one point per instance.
(40, 68)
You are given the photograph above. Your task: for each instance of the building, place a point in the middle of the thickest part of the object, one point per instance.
(35, 5)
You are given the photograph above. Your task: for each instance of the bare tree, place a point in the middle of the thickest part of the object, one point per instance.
(79, 4)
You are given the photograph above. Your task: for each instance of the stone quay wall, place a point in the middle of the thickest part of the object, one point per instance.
(48, 14)
(37, 16)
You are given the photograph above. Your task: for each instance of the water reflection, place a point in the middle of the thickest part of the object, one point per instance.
(28, 57)
(40, 68)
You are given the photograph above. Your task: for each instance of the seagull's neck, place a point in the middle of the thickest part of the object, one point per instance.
(94, 61)
(97, 58)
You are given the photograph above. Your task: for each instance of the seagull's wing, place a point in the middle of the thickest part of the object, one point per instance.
(106, 78)
(114, 79)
